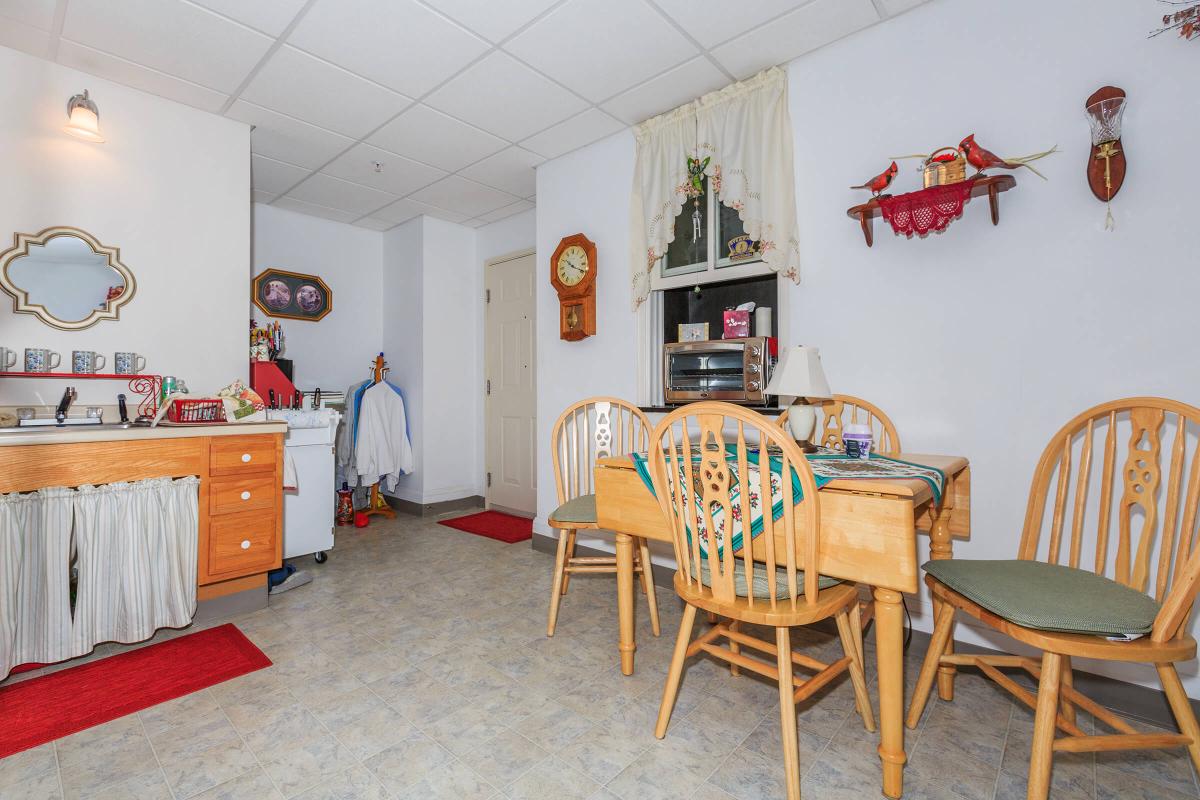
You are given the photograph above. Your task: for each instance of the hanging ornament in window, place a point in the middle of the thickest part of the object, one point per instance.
(695, 188)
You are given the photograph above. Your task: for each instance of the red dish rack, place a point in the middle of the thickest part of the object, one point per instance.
(188, 411)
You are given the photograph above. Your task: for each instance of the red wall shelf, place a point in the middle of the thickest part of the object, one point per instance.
(143, 384)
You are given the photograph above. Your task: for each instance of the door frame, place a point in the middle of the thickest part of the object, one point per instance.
(491, 262)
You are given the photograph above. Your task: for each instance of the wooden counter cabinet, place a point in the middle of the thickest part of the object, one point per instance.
(241, 478)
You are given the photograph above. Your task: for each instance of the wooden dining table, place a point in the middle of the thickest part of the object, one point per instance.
(869, 528)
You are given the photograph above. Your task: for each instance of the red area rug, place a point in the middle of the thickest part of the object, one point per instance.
(42, 709)
(493, 525)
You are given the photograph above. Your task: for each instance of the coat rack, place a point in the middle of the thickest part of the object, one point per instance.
(377, 505)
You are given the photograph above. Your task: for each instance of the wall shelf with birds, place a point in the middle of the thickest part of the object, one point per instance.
(947, 189)
(930, 210)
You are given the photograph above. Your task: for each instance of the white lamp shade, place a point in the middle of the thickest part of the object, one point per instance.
(799, 374)
(84, 120)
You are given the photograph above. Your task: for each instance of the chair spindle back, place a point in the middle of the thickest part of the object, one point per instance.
(1134, 438)
(590, 429)
(834, 415)
(692, 451)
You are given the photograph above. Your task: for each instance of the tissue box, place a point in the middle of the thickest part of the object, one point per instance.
(737, 324)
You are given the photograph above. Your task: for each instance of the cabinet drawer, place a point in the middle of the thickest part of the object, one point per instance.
(247, 493)
(231, 455)
(242, 544)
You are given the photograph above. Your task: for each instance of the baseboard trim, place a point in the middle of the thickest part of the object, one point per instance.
(1130, 699)
(434, 509)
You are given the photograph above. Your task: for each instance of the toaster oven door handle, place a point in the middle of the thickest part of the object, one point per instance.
(691, 347)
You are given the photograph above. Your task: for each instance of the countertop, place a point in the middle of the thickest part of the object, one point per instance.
(113, 433)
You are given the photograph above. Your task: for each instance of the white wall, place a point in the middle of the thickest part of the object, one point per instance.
(432, 300)
(984, 340)
(170, 188)
(403, 338)
(336, 351)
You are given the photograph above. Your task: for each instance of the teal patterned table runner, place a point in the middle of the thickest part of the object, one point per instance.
(827, 465)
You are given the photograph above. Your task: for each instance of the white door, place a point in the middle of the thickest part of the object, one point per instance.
(511, 384)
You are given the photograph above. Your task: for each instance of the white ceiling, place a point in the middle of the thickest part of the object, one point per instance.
(458, 100)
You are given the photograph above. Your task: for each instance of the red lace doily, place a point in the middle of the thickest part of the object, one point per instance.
(926, 210)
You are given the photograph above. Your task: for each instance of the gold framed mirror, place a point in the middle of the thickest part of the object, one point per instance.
(65, 277)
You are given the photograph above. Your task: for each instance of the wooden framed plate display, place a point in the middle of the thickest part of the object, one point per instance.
(292, 295)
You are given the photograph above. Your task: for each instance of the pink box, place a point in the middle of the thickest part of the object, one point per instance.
(737, 324)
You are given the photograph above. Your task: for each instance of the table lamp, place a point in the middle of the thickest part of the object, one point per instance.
(799, 375)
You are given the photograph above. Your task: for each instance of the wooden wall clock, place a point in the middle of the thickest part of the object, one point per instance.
(573, 274)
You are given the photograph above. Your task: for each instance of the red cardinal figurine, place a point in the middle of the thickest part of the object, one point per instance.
(880, 181)
(981, 158)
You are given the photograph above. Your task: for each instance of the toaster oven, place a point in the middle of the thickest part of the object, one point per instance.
(733, 370)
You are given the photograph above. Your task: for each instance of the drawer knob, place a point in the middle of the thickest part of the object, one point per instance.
(245, 495)
(245, 544)
(245, 458)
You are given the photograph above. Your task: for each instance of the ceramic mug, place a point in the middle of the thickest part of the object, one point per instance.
(8, 358)
(86, 362)
(39, 359)
(128, 363)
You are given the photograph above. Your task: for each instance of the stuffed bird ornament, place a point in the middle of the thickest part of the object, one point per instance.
(981, 158)
(881, 181)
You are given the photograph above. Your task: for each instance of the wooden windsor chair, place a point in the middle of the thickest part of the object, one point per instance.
(1068, 604)
(832, 421)
(770, 579)
(590, 429)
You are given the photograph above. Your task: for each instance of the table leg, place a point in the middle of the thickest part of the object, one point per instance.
(626, 643)
(940, 547)
(889, 648)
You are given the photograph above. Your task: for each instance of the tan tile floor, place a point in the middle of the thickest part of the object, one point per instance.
(416, 667)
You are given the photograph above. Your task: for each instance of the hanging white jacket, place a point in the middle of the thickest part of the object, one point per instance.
(383, 450)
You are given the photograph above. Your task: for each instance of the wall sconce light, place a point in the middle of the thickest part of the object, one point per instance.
(1106, 159)
(84, 118)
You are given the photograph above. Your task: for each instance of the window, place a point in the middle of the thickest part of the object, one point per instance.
(710, 245)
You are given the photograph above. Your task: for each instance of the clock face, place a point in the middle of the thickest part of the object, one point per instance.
(572, 265)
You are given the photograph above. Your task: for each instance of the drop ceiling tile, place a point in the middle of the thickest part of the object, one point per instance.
(276, 177)
(463, 196)
(492, 21)
(170, 36)
(711, 22)
(268, 16)
(504, 97)
(34, 13)
(283, 138)
(894, 7)
(506, 211)
(510, 170)
(600, 48)
(669, 90)
(325, 190)
(574, 133)
(296, 84)
(313, 210)
(432, 137)
(94, 62)
(257, 196)
(404, 210)
(374, 224)
(25, 38)
(474, 223)
(398, 43)
(805, 29)
(400, 176)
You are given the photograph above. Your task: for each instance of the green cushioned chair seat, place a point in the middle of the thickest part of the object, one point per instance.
(758, 577)
(579, 509)
(1049, 597)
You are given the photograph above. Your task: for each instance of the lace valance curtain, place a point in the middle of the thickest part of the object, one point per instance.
(746, 130)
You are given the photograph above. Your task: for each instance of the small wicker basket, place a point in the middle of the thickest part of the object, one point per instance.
(942, 171)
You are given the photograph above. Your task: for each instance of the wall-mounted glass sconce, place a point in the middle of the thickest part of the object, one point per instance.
(84, 118)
